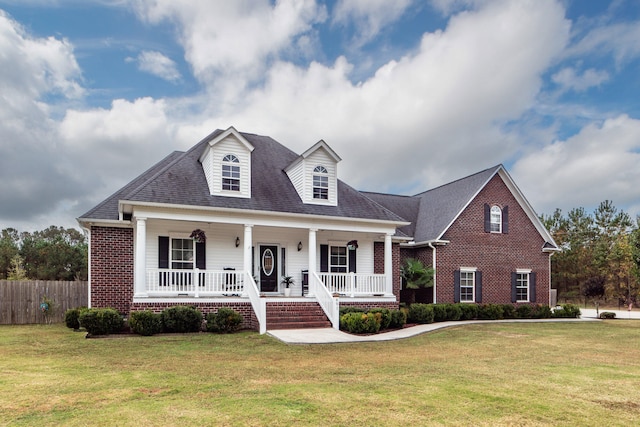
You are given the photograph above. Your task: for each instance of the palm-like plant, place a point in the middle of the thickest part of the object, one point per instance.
(416, 275)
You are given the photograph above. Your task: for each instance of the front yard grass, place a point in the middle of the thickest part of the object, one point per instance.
(487, 374)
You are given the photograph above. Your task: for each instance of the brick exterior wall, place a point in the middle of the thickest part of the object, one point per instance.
(112, 268)
(370, 305)
(378, 264)
(496, 255)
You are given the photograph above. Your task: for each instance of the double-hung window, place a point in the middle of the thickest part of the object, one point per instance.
(467, 285)
(320, 183)
(182, 254)
(230, 173)
(522, 287)
(338, 259)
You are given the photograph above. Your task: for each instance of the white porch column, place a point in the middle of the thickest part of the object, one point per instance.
(246, 244)
(388, 264)
(140, 276)
(312, 258)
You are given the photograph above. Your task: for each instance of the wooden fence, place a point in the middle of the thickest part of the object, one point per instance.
(20, 300)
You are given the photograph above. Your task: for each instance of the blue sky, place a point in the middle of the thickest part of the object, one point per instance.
(411, 94)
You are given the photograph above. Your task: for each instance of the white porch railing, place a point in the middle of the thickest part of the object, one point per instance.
(354, 284)
(258, 304)
(195, 283)
(329, 304)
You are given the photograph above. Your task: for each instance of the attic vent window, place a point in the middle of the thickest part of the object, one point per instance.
(320, 183)
(230, 173)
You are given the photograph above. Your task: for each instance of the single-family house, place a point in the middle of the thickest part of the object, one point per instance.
(221, 224)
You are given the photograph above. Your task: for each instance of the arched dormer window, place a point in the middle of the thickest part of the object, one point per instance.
(496, 219)
(320, 183)
(230, 173)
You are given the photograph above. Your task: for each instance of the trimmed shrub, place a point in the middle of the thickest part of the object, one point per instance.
(385, 319)
(72, 317)
(508, 311)
(439, 312)
(145, 323)
(225, 320)
(453, 312)
(607, 315)
(468, 311)
(360, 323)
(421, 313)
(567, 310)
(347, 309)
(181, 319)
(541, 312)
(490, 312)
(101, 321)
(524, 311)
(398, 319)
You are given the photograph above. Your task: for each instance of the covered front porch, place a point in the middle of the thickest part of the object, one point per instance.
(217, 261)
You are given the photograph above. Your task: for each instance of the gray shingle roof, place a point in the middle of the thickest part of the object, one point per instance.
(180, 179)
(433, 211)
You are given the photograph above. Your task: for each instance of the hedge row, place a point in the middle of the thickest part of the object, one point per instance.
(360, 321)
(177, 319)
(429, 313)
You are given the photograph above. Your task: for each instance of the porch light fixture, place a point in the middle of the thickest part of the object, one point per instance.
(352, 245)
(299, 246)
(237, 241)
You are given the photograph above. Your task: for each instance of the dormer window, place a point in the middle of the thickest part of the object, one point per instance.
(496, 219)
(230, 173)
(320, 183)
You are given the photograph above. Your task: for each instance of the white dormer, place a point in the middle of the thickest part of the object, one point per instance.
(227, 165)
(315, 175)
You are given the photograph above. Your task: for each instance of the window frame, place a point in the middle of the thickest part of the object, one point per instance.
(523, 284)
(464, 272)
(339, 267)
(320, 183)
(495, 219)
(230, 173)
(181, 263)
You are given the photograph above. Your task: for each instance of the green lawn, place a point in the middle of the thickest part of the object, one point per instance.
(489, 374)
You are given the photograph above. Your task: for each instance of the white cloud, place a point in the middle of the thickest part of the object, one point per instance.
(568, 79)
(425, 118)
(231, 38)
(599, 163)
(619, 40)
(159, 65)
(368, 16)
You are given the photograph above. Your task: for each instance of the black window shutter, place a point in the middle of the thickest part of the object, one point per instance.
(478, 286)
(532, 287)
(163, 251)
(201, 255)
(324, 258)
(487, 218)
(514, 280)
(352, 260)
(505, 220)
(456, 286)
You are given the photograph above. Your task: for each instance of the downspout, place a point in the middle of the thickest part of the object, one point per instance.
(433, 262)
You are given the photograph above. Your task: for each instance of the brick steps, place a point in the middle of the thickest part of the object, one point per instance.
(293, 315)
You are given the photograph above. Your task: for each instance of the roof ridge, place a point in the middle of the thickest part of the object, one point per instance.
(495, 168)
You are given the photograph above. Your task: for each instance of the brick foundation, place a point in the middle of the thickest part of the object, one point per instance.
(244, 308)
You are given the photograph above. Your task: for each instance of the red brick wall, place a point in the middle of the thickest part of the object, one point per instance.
(496, 255)
(378, 264)
(111, 268)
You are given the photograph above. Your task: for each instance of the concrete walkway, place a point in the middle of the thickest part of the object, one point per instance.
(333, 336)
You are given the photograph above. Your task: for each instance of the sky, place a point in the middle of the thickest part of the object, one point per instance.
(411, 94)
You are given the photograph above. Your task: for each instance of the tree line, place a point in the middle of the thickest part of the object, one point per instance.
(600, 248)
(55, 253)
